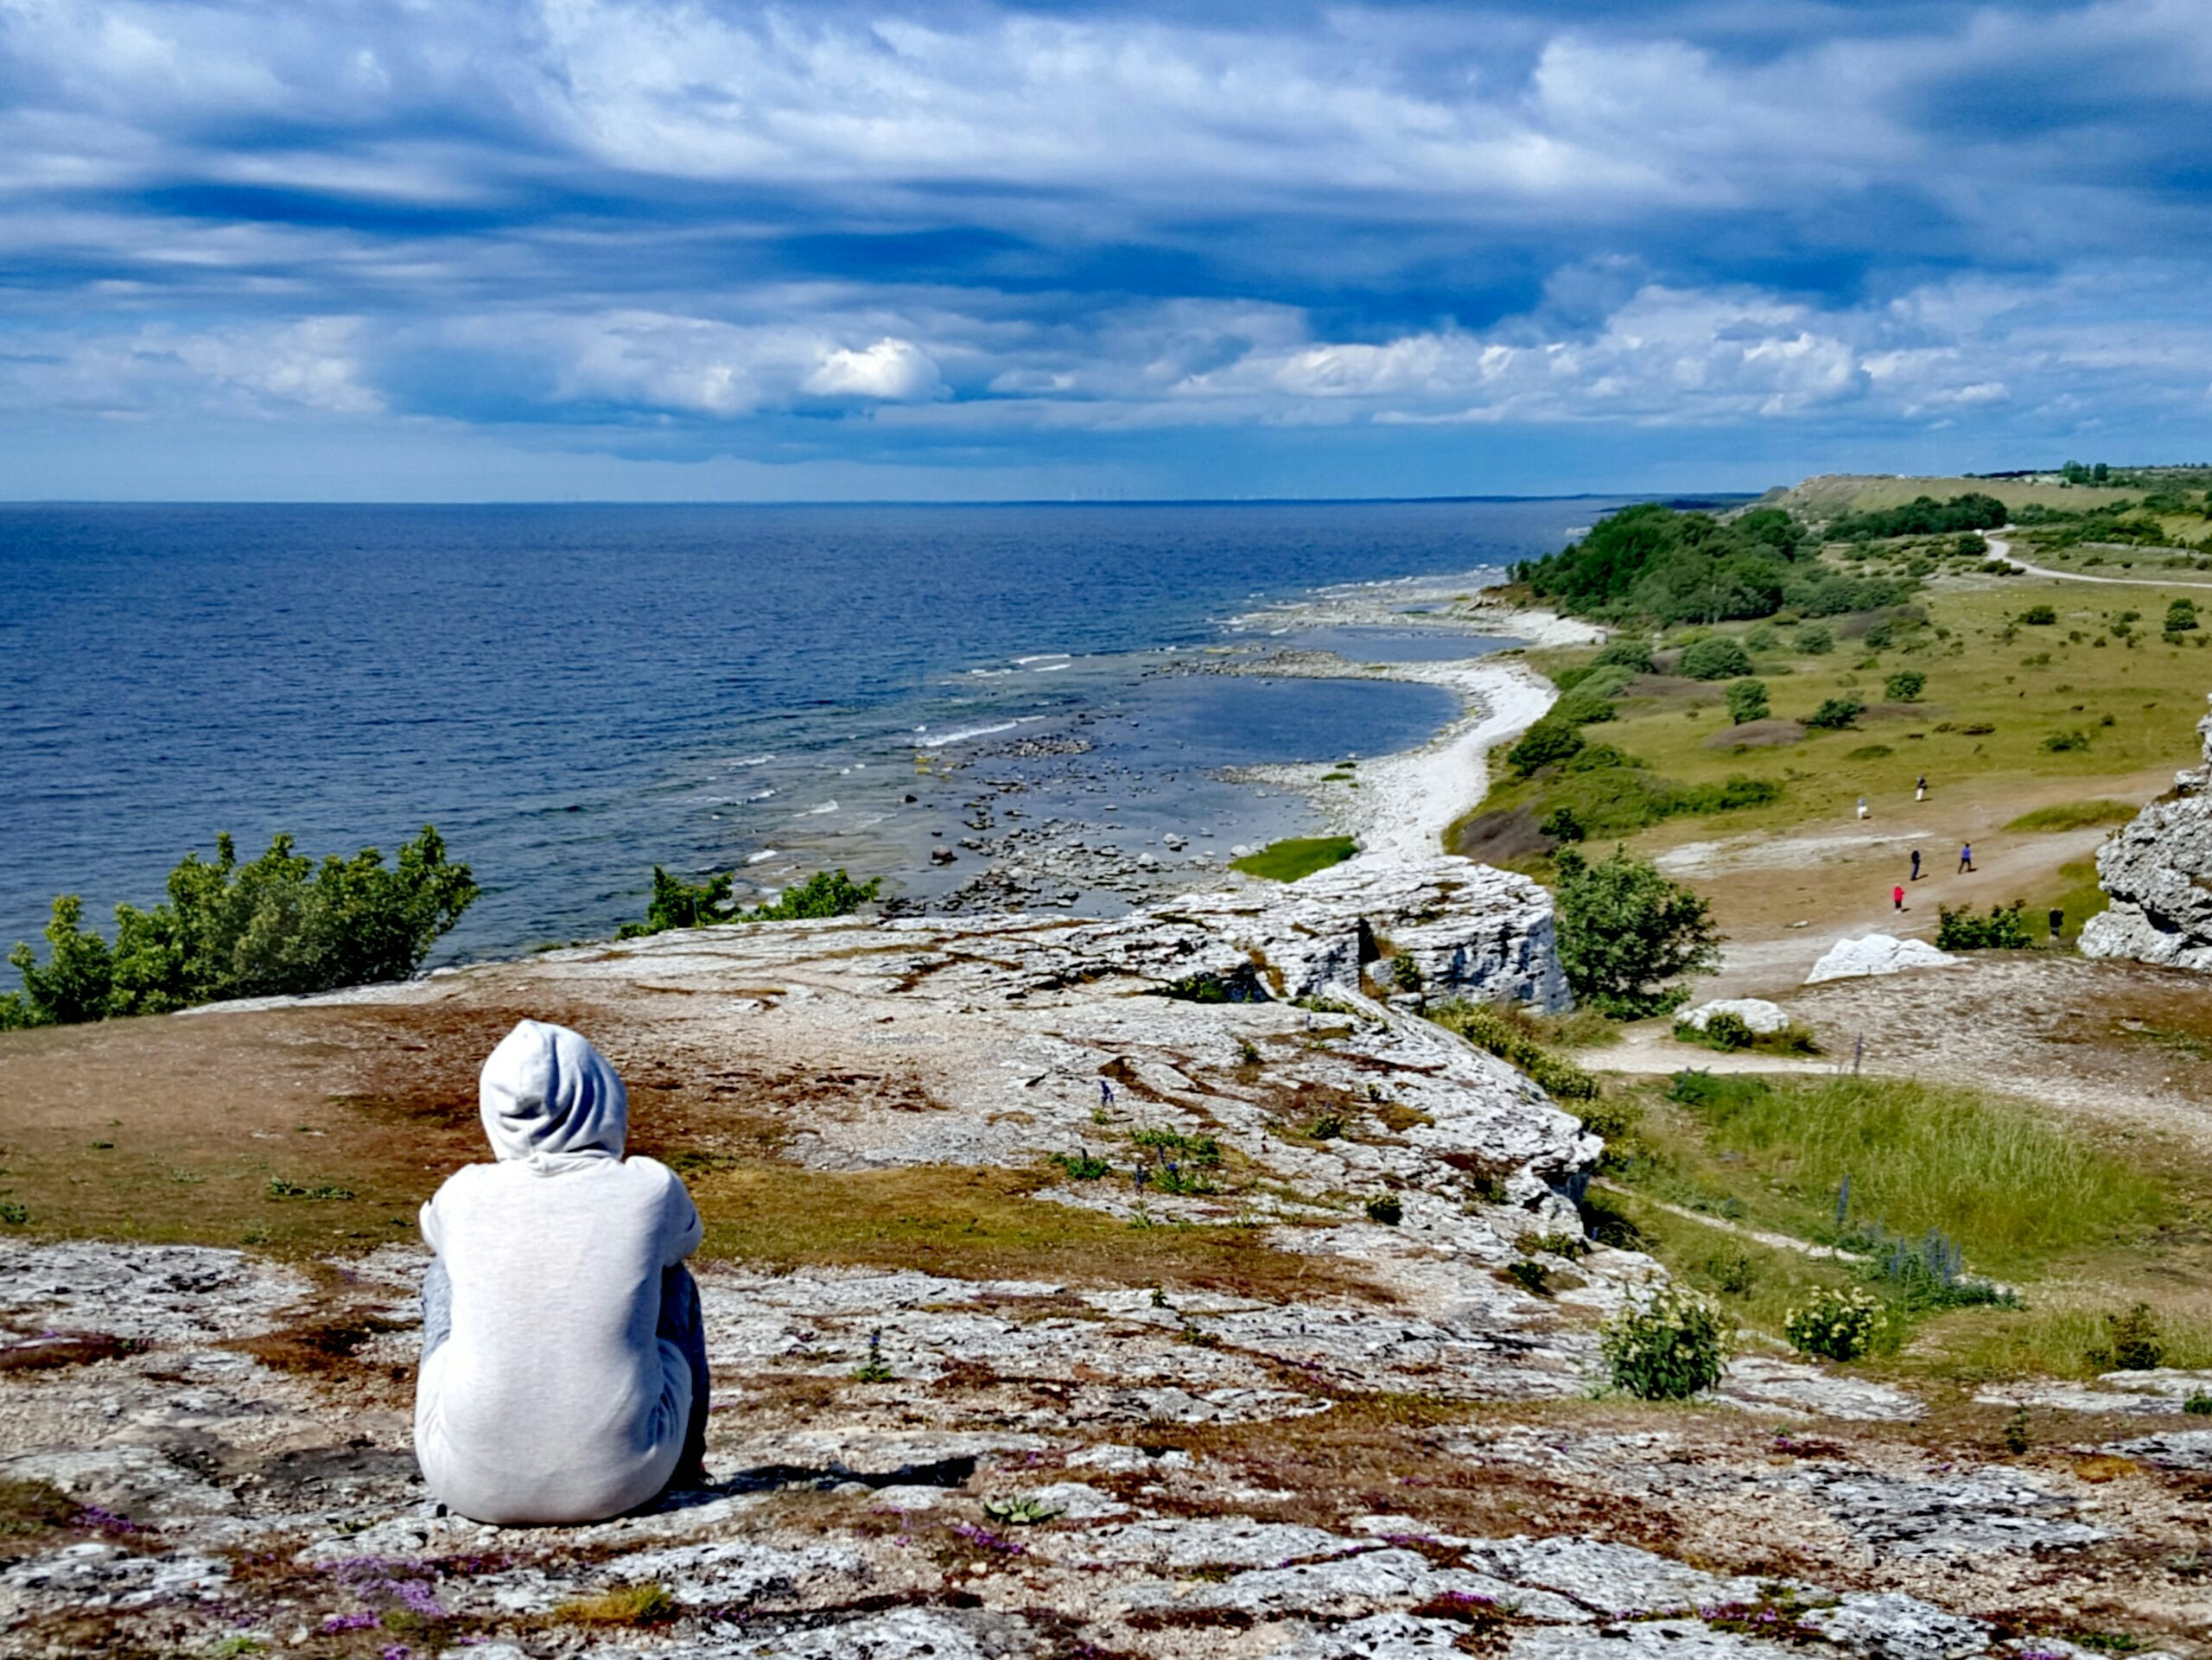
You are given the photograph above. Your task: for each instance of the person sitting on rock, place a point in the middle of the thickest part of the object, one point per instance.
(564, 1359)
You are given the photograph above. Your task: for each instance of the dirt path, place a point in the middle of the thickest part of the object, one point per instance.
(1782, 899)
(1999, 548)
(2123, 1045)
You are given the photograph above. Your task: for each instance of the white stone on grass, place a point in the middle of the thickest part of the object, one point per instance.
(1764, 1019)
(1877, 954)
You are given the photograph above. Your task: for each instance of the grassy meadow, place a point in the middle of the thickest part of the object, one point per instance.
(2055, 1227)
(2057, 711)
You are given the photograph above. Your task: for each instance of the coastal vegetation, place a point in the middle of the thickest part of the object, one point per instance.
(1649, 564)
(1294, 856)
(1679, 759)
(1989, 1237)
(1625, 931)
(679, 904)
(281, 926)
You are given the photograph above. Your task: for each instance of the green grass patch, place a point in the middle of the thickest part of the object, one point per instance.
(2069, 1338)
(2015, 1189)
(1295, 856)
(1984, 719)
(2076, 815)
(2031, 1201)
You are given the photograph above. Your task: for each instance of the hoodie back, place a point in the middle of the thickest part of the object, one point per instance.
(553, 1400)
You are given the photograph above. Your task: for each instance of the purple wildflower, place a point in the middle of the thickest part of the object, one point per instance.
(987, 1540)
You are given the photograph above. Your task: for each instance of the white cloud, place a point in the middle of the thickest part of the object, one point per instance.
(891, 371)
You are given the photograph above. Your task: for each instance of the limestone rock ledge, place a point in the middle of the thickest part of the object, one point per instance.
(2158, 873)
(1382, 1448)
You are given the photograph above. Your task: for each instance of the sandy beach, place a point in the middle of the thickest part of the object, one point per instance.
(1405, 801)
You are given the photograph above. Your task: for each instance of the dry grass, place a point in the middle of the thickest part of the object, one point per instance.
(650, 1604)
(985, 1222)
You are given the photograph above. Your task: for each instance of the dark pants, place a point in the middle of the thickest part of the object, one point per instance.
(681, 1322)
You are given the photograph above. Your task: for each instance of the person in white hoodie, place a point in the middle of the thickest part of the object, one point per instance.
(564, 1362)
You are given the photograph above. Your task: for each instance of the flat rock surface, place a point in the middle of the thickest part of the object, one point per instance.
(1381, 1446)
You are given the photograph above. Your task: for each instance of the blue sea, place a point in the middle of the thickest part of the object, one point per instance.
(574, 694)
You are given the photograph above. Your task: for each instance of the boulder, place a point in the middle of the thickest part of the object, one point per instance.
(1764, 1019)
(1877, 954)
(2158, 873)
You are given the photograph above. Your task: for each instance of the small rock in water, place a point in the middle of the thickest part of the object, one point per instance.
(942, 856)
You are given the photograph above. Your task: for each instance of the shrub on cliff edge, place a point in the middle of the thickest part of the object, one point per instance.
(282, 925)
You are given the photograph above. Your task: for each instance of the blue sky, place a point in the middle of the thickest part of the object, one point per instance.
(436, 249)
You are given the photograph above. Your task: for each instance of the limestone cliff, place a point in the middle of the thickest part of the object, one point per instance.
(2158, 873)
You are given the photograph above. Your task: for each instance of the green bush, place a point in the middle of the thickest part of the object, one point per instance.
(1835, 714)
(283, 925)
(2059, 743)
(1747, 701)
(1726, 1029)
(1652, 561)
(2132, 1342)
(1546, 741)
(1668, 1347)
(2006, 928)
(1487, 1026)
(1923, 515)
(2180, 616)
(1628, 651)
(1562, 823)
(1720, 657)
(1816, 640)
(1588, 705)
(1386, 1208)
(678, 904)
(1835, 1325)
(1624, 930)
(2039, 616)
(1905, 686)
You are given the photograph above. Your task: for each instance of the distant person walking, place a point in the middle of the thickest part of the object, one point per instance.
(1920, 790)
(1916, 864)
(1965, 856)
(1105, 1093)
(1862, 806)
(1897, 896)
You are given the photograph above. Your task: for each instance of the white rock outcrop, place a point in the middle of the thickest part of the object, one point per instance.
(2158, 873)
(1763, 1018)
(1877, 954)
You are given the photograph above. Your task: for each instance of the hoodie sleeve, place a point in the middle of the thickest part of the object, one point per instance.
(681, 1229)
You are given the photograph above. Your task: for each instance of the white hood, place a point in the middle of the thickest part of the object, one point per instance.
(550, 1100)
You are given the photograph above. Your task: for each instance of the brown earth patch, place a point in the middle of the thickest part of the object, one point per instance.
(1494, 837)
(54, 1350)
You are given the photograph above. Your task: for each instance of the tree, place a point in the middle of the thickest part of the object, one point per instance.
(1905, 686)
(1549, 741)
(2180, 616)
(282, 925)
(1624, 930)
(1721, 657)
(1747, 701)
(1834, 714)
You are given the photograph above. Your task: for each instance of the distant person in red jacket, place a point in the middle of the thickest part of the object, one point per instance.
(1897, 896)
